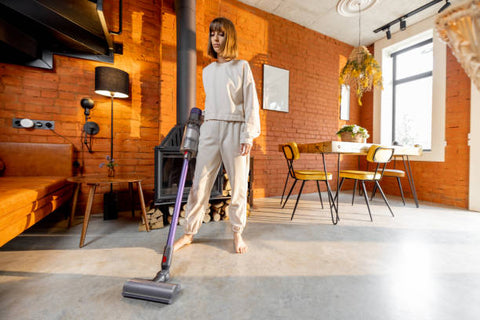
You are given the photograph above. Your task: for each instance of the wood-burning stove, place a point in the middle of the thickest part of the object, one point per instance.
(168, 166)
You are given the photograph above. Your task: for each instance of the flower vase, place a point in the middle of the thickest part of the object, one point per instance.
(347, 137)
(111, 172)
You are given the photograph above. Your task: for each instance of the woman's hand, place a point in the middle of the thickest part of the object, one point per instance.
(245, 149)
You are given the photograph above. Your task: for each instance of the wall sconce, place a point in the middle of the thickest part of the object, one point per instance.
(90, 128)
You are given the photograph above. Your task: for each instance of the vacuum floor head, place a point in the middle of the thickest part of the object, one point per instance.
(150, 290)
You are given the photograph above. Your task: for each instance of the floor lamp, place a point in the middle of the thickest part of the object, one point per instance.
(113, 83)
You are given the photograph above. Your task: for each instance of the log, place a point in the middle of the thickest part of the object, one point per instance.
(182, 221)
(218, 205)
(207, 218)
(156, 215)
(216, 216)
(225, 213)
(157, 225)
(227, 185)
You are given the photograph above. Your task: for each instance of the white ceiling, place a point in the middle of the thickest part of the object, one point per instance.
(322, 15)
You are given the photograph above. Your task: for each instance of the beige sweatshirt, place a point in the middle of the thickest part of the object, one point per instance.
(231, 96)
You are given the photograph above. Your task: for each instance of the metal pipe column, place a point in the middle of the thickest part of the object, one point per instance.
(186, 58)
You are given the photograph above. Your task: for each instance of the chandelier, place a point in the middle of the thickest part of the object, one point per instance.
(361, 72)
(459, 27)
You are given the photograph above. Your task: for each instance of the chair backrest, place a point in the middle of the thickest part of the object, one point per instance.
(290, 150)
(291, 153)
(379, 154)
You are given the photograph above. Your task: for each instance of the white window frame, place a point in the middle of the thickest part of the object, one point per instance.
(382, 102)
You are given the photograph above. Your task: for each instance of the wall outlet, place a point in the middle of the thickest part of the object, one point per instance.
(37, 124)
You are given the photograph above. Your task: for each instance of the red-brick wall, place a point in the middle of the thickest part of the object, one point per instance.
(149, 56)
(34, 93)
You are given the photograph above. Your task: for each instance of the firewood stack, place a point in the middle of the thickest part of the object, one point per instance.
(154, 220)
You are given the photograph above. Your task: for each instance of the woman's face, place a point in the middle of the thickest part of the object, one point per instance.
(217, 38)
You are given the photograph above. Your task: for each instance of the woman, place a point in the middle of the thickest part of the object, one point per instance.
(231, 122)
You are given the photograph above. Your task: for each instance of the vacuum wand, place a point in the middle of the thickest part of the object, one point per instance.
(158, 289)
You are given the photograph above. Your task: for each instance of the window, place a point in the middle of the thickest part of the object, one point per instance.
(411, 107)
(412, 94)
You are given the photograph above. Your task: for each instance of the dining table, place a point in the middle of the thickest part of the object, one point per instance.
(356, 148)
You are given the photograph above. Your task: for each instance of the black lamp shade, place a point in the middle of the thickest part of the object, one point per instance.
(111, 81)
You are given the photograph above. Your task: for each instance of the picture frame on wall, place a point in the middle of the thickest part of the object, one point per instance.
(275, 88)
(345, 102)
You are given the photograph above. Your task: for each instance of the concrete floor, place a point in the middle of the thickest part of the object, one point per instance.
(422, 264)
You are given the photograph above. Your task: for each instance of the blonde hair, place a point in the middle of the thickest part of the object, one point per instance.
(230, 50)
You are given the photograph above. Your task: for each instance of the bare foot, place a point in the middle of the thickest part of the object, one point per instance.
(184, 240)
(240, 245)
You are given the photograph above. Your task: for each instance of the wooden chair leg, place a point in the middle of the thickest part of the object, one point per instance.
(298, 198)
(142, 204)
(88, 210)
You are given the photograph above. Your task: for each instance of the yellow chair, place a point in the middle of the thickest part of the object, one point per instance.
(393, 173)
(378, 155)
(291, 153)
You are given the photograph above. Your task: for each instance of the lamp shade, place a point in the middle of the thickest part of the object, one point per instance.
(111, 82)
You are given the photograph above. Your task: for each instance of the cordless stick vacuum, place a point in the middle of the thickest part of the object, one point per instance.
(158, 289)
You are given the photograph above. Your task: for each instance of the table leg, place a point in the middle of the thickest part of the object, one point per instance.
(331, 201)
(142, 204)
(132, 199)
(74, 203)
(88, 210)
(408, 170)
(338, 182)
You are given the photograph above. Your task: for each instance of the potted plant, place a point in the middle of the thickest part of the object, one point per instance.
(353, 133)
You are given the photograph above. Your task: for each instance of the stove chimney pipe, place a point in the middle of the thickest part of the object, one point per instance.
(186, 58)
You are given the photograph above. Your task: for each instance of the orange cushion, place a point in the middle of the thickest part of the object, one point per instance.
(359, 175)
(394, 173)
(312, 175)
(18, 192)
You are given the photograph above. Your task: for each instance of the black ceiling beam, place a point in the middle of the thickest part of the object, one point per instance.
(411, 13)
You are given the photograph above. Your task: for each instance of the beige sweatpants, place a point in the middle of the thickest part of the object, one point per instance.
(219, 141)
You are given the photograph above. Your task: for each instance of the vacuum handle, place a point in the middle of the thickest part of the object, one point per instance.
(178, 203)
